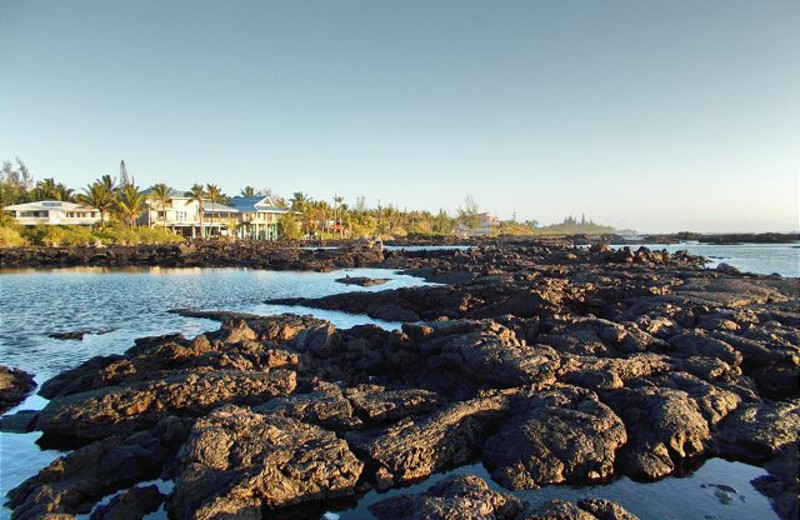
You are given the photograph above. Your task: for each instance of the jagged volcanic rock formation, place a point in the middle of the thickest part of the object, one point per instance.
(548, 363)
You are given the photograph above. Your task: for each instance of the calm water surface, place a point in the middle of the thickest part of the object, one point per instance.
(134, 303)
(783, 259)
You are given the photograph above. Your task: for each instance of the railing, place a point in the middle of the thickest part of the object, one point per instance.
(55, 221)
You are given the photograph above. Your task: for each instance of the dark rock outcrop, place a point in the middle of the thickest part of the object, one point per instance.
(75, 482)
(551, 363)
(130, 505)
(124, 409)
(362, 281)
(555, 436)
(237, 463)
(15, 385)
(413, 449)
(461, 497)
(467, 497)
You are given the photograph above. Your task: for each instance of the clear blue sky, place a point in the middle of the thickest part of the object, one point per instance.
(657, 115)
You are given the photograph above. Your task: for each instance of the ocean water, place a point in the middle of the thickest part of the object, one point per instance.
(131, 303)
(783, 259)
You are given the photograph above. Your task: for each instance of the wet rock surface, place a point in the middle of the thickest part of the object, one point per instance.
(362, 281)
(470, 498)
(555, 436)
(549, 363)
(74, 483)
(15, 385)
(237, 463)
(130, 505)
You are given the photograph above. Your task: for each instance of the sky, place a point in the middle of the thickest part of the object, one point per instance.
(647, 114)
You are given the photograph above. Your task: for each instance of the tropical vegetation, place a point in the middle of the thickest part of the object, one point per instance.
(120, 206)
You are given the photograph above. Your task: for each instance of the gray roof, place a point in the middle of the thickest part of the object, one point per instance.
(254, 204)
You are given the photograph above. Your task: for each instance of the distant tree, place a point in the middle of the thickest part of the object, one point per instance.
(124, 180)
(248, 191)
(64, 193)
(301, 203)
(361, 204)
(15, 183)
(468, 212)
(299, 200)
(99, 197)
(198, 194)
(288, 227)
(131, 203)
(337, 217)
(214, 194)
(160, 196)
(109, 182)
(25, 177)
(49, 189)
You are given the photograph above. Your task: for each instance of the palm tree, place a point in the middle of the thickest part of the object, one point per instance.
(337, 200)
(131, 202)
(198, 194)
(344, 215)
(321, 214)
(45, 190)
(299, 200)
(63, 193)
(98, 196)
(109, 182)
(160, 194)
(214, 194)
(248, 191)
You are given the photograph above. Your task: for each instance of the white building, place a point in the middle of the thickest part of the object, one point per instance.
(53, 213)
(182, 215)
(246, 217)
(258, 217)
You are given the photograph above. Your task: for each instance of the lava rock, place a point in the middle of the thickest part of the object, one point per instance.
(239, 463)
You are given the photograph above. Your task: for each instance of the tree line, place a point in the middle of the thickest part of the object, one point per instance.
(123, 201)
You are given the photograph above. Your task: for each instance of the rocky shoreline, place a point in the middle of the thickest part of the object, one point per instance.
(547, 363)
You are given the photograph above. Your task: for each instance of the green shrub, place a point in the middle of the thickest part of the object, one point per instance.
(289, 227)
(68, 236)
(34, 235)
(112, 234)
(10, 237)
(117, 234)
(156, 235)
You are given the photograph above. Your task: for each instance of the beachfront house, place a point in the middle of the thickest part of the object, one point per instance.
(219, 219)
(258, 217)
(181, 214)
(53, 213)
(246, 217)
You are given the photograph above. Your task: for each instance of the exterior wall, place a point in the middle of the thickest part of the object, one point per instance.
(47, 213)
(178, 212)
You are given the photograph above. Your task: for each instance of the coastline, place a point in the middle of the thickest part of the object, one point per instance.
(527, 333)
